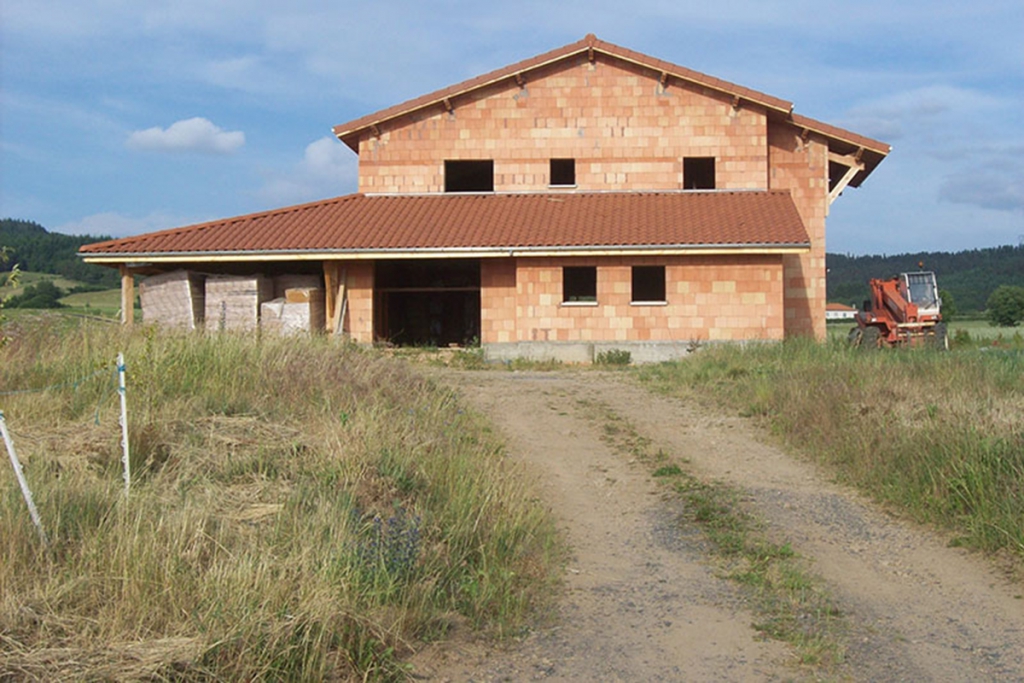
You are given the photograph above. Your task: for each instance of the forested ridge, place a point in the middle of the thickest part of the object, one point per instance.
(969, 276)
(35, 249)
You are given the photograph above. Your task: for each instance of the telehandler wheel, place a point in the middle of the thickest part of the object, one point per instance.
(871, 339)
(854, 338)
(939, 338)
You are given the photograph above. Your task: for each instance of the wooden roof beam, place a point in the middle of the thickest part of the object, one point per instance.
(854, 166)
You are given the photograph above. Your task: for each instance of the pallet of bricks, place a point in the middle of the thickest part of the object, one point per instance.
(233, 301)
(174, 299)
(298, 306)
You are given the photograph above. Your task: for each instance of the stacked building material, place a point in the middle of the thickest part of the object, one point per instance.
(300, 310)
(282, 283)
(233, 301)
(174, 299)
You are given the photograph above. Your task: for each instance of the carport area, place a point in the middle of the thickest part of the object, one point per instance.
(428, 302)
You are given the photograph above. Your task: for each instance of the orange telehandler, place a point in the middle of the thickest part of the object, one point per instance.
(902, 311)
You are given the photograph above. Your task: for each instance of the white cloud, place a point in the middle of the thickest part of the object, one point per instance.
(189, 135)
(118, 225)
(328, 169)
(895, 115)
(997, 185)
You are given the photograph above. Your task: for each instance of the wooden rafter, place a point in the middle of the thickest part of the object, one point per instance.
(853, 164)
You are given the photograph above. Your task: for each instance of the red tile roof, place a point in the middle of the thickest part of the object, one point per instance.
(840, 307)
(449, 223)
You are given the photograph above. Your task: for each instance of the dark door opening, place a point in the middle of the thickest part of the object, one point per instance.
(430, 302)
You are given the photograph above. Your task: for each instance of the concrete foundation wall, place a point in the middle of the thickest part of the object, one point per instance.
(585, 353)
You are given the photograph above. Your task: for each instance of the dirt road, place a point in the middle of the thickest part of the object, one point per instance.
(644, 604)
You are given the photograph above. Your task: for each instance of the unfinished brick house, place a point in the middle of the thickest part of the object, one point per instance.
(587, 198)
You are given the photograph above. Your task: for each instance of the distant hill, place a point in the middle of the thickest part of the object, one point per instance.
(36, 249)
(970, 276)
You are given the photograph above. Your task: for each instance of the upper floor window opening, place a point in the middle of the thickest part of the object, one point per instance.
(699, 173)
(469, 176)
(563, 173)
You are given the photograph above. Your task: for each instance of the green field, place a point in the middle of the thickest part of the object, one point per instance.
(103, 303)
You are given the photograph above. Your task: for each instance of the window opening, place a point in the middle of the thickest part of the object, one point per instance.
(579, 284)
(563, 172)
(648, 283)
(699, 173)
(469, 176)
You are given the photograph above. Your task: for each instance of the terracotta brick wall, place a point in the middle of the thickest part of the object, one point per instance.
(359, 285)
(707, 298)
(801, 166)
(625, 130)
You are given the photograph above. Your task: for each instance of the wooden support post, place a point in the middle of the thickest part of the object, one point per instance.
(340, 304)
(335, 297)
(330, 291)
(127, 296)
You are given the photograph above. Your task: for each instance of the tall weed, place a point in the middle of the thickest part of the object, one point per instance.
(300, 510)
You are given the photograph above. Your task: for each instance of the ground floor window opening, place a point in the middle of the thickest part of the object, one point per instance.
(429, 302)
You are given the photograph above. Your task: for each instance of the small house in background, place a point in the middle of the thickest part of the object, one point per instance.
(835, 311)
(586, 199)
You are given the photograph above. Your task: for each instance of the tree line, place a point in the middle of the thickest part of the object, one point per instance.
(968, 278)
(35, 249)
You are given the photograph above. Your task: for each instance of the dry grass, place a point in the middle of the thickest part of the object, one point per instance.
(300, 510)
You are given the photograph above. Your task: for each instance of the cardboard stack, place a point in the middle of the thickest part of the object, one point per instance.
(174, 299)
(233, 301)
(282, 283)
(300, 310)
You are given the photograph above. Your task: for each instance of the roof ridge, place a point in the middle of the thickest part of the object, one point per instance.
(589, 43)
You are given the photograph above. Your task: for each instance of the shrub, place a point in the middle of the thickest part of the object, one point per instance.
(42, 295)
(614, 357)
(1006, 306)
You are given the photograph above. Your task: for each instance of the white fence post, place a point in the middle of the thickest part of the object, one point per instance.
(25, 492)
(124, 424)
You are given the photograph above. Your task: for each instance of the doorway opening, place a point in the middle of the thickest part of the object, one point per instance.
(429, 302)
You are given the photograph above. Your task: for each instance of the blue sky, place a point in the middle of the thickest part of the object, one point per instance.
(120, 117)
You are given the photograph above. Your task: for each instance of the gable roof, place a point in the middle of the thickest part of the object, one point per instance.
(846, 142)
(368, 226)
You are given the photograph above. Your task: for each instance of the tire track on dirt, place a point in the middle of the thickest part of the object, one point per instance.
(642, 603)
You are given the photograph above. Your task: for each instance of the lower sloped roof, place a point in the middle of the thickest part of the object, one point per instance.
(507, 223)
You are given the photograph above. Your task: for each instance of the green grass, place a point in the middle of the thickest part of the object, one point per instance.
(106, 302)
(301, 510)
(790, 604)
(936, 435)
(978, 332)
